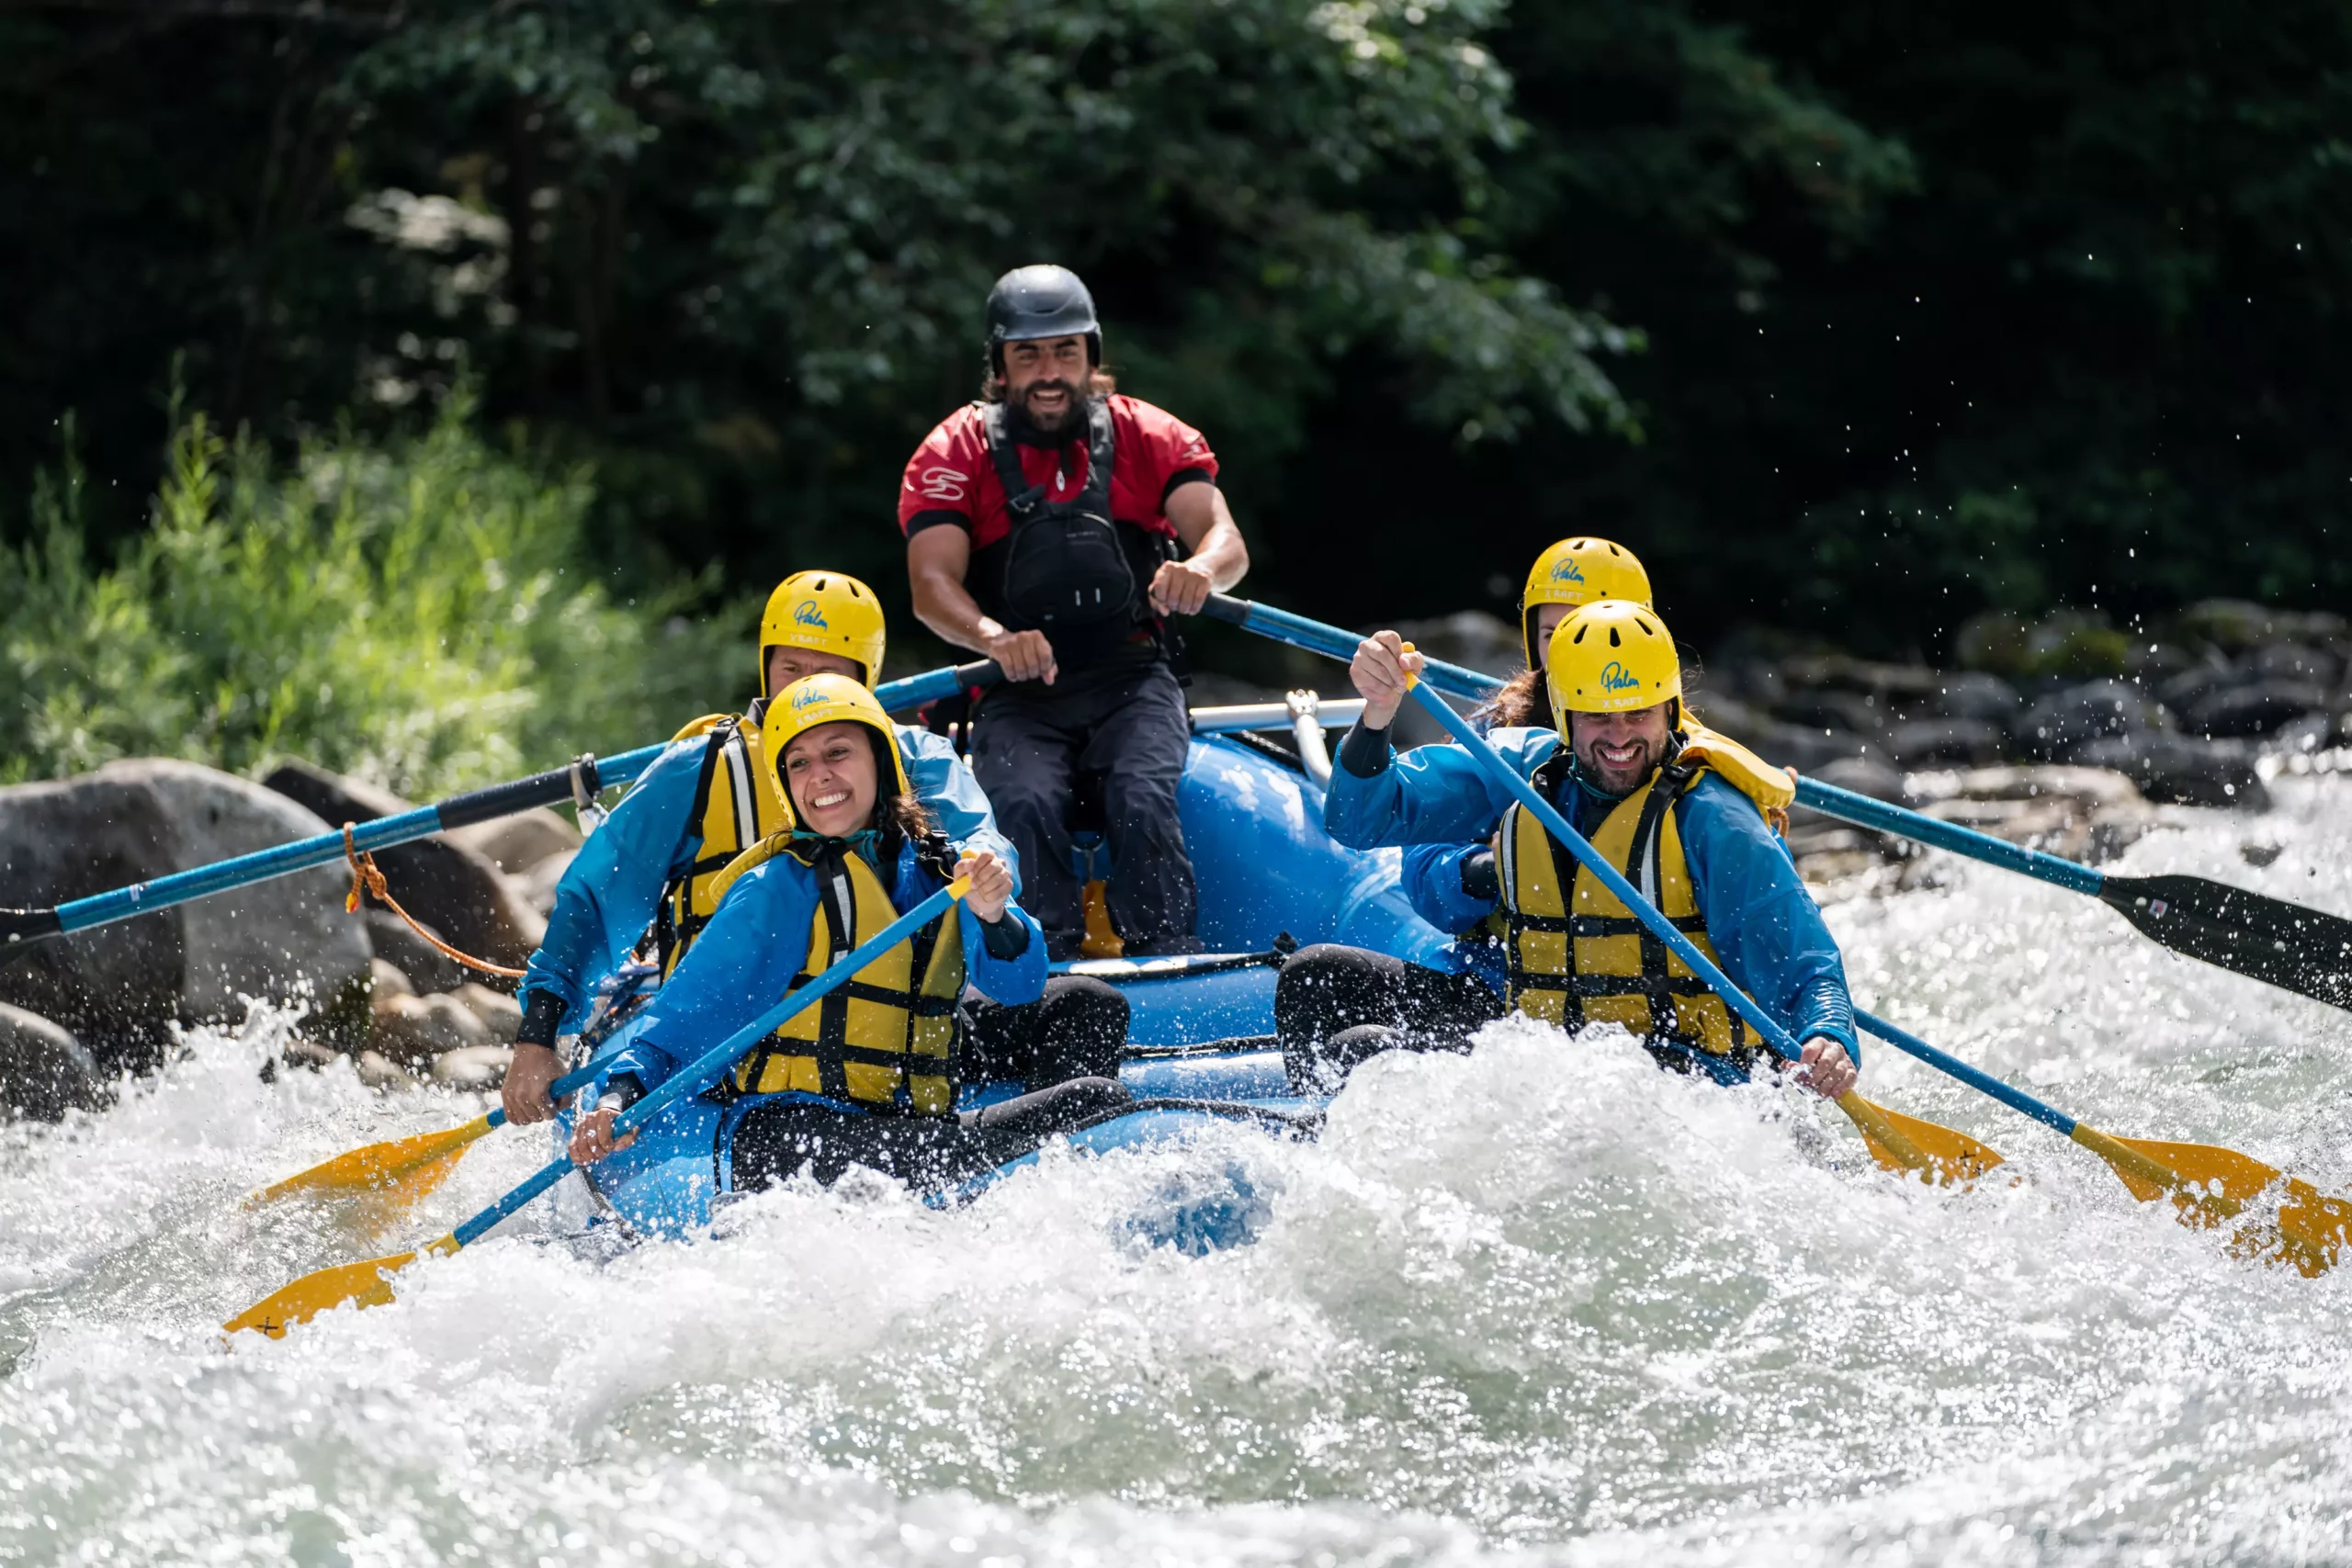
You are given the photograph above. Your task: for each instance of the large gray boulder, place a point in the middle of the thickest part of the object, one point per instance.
(118, 988)
(456, 890)
(44, 1072)
(2076, 716)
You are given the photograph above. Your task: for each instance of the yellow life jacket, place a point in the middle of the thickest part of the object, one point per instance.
(892, 1027)
(1575, 954)
(736, 806)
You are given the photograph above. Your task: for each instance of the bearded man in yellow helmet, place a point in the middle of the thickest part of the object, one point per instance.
(1686, 814)
(656, 860)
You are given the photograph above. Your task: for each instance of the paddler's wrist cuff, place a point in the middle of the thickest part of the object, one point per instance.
(1005, 937)
(541, 1013)
(1480, 880)
(621, 1093)
(1364, 753)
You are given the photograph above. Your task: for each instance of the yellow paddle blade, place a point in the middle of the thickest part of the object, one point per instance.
(1907, 1143)
(2209, 1185)
(2215, 1172)
(2314, 1229)
(365, 1284)
(413, 1166)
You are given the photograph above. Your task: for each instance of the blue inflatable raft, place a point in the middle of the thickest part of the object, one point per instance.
(1201, 1035)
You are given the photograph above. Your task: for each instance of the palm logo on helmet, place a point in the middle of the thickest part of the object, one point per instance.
(819, 700)
(1612, 656)
(1574, 572)
(825, 612)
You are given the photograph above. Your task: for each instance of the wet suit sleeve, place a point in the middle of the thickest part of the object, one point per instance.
(614, 884)
(1003, 971)
(1434, 886)
(1431, 795)
(742, 965)
(1765, 928)
(945, 784)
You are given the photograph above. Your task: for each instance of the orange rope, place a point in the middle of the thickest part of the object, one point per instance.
(365, 876)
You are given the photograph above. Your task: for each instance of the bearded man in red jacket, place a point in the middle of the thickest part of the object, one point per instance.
(1054, 526)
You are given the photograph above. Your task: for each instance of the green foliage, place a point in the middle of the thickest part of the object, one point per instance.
(1862, 318)
(418, 615)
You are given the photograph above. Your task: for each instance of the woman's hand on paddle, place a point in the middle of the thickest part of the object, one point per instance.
(527, 1076)
(1378, 671)
(991, 885)
(591, 1139)
(1826, 1067)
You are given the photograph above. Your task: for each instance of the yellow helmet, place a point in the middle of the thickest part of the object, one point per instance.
(1574, 572)
(817, 700)
(1610, 657)
(825, 612)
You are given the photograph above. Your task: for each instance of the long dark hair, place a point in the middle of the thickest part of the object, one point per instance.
(1522, 704)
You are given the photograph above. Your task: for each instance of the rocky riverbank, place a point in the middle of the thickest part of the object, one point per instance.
(78, 1013)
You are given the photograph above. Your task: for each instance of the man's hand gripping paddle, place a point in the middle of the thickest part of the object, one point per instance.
(2207, 1185)
(370, 1283)
(1896, 1141)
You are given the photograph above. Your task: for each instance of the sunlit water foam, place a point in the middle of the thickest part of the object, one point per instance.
(1541, 1304)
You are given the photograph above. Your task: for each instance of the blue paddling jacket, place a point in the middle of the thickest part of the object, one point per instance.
(1767, 931)
(886, 1039)
(655, 840)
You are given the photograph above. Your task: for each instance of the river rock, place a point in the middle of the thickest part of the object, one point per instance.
(117, 989)
(2235, 624)
(499, 1014)
(1931, 743)
(2075, 716)
(417, 1029)
(424, 966)
(453, 889)
(1977, 695)
(2081, 813)
(474, 1067)
(388, 980)
(378, 1071)
(514, 844)
(2254, 709)
(539, 883)
(2183, 769)
(44, 1072)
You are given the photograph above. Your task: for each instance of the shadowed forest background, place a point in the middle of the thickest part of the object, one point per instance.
(429, 388)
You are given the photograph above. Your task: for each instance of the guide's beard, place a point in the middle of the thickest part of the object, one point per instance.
(1068, 424)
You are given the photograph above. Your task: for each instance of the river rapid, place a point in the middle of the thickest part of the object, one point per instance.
(1541, 1304)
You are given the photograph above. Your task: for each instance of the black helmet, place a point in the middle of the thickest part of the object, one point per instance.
(1039, 301)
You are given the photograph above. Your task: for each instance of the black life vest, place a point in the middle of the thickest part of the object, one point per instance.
(1068, 567)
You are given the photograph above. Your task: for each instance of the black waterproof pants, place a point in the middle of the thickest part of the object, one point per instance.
(1078, 1029)
(1335, 1005)
(928, 1153)
(1031, 740)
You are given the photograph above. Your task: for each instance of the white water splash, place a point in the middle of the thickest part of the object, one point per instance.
(1541, 1304)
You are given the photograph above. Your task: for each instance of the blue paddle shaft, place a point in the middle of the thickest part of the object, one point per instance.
(478, 805)
(699, 1073)
(580, 1077)
(2015, 1098)
(1783, 1044)
(1863, 811)
(1281, 626)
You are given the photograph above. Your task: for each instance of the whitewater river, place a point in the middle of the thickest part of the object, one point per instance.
(1541, 1304)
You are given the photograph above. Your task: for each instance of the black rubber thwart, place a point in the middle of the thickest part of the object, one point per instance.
(2270, 940)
